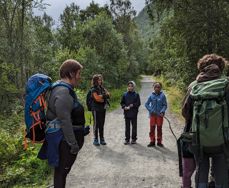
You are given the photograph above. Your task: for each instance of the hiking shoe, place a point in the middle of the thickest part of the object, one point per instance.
(96, 142)
(151, 144)
(126, 142)
(102, 142)
(133, 142)
(160, 145)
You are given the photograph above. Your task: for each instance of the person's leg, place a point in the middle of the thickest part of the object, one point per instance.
(159, 122)
(79, 134)
(127, 130)
(95, 125)
(134, 128)
(65, 163)
(152, 128)
(101, 124)
(152, 131)
(189, 167)
(202, 172)
(219, 168)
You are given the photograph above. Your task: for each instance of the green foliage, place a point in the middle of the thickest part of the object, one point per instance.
(181, 33)
(23, 168)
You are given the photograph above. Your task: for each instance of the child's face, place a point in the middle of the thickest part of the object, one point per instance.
(130, 87)
(157, 88)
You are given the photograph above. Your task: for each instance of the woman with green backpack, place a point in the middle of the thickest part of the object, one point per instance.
(205, 110)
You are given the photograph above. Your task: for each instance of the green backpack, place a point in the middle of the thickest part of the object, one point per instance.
(210, 114)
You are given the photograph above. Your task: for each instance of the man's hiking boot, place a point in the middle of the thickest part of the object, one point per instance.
(133, 142)
(151, 144)
(126, 142)
(102, 142)
(160, 145)
(96, 142)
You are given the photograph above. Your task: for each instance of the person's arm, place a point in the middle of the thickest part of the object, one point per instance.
(122, 103)
(147, 104)
(106, 95)
(63, 107)
(137, 102)
(97, 98)
(187, 108)
(227, 100)
(164, 105)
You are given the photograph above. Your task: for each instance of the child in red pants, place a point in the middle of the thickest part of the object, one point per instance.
(156, 105)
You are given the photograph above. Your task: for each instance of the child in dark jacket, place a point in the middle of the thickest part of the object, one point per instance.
(156, 105)
(130, 103)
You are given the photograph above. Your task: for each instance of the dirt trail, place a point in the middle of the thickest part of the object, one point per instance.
(120, 166)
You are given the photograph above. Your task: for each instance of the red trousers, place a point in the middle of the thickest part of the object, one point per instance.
(156, 121)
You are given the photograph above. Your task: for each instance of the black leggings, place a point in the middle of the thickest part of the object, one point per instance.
(66, 160)
(99, 120)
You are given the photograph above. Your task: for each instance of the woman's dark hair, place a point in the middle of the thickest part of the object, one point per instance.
(211, 59)
(69, 68)
(95, 79)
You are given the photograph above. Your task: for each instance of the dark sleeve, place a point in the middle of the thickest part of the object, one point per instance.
(227, 100)
(187, 111)
(105, 96)
(122, 103)
(63, 106)
(137, 102)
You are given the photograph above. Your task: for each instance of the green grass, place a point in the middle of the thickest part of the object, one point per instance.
(20, 168)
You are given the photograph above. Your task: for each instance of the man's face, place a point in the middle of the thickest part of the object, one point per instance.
(76, 79)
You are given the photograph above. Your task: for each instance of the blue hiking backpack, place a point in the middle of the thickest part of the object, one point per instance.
(35, 106)
(37, 89)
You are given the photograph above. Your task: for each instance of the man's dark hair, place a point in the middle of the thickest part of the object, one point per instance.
(69, 68)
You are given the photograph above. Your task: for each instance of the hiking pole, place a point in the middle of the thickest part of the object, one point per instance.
(170, 127)
(178, 148)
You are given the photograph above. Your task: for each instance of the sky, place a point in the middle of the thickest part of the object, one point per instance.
(57, 6)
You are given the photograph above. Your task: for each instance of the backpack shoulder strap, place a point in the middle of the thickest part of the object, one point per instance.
(71, 91)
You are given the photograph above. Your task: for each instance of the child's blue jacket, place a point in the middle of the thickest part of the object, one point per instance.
(156, 103)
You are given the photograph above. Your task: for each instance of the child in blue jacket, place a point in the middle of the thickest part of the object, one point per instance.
(156, 105)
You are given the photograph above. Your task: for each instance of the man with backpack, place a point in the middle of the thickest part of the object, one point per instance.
(205, 110)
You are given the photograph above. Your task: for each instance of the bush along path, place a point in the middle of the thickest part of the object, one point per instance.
(120, 166)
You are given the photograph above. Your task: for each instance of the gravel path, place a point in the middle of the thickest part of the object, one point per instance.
(118, 166)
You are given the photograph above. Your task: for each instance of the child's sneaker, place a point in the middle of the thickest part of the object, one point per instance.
(126, 142)
(133, 142)
(102, 142)
(211, 184)
(96, 142)
(160, 145)
(151, 144)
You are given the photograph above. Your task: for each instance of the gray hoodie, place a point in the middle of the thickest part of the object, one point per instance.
(60, 106)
